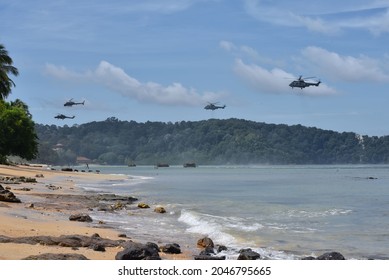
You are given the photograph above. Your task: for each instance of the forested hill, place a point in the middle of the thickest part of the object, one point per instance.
(213, 141)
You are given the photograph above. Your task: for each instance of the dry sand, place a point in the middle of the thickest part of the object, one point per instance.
(45, 211)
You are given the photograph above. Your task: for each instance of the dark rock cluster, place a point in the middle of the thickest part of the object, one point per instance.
(327, 256)
(248, 254)
(133, 250)
(17, 180)
(8, 196)
(139, 251)
(50, 256)
(81, 218)
(73, 241)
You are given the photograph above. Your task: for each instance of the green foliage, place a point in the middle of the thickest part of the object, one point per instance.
(231, 141)
(17, 131)
(6, 68)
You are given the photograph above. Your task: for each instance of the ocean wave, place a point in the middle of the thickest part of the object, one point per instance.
(317, 214)
(106, 184)
(131, 180)
(132, 177)
(203, 224)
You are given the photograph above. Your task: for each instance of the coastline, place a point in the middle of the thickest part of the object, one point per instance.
(45, 209)
(48, 203)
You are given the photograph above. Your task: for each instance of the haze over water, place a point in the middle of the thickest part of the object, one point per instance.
(282, 212)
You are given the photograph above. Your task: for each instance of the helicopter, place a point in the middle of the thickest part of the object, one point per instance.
(62, 117)
(71, 103)
(213, 106)
(301, 83)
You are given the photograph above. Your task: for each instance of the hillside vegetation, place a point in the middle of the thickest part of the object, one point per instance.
(231, 141)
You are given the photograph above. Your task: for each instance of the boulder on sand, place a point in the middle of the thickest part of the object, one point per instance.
(248, 254)
(331, 256)
(160, 209)
(171, 248)
(80, 218)
(143, 205)
(205, 242)
(139, 251)
(8, 196)
(50, 256)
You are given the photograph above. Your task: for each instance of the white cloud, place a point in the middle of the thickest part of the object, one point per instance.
(347, 68)
(62, 73)
(323, 16)
(275, 81)
(228, 46)
(248, 52)
(317, 24)
(261, 79)
(119, 81)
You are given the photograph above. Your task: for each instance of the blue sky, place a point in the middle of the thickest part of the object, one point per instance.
(164, 60)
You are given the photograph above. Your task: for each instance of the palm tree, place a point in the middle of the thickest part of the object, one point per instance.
(6, 68)
(20, 104)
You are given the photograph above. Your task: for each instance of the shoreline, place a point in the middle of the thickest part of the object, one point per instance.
(45, 209)
(47, 204)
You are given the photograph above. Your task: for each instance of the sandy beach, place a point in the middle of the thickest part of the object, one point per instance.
(45, 209)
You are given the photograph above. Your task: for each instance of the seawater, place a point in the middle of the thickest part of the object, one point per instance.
(282, 212)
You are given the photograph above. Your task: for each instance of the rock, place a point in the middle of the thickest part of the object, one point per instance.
(118, 206)
(67, 169)
(114, 197)
(208, 251)
(308, 258)
(172, 248)
(153, 245)
(10, 180)
(25, 189)
(208, 254)
(221, 248)
(30, 180)
(95, 236)
(97, 247)
(119, 202)
(73, 241)
(104, 208)
(143, 205)
(81, 218)
(205, 242)
(207, 257)
(138, 251)
(8, 196)
(160, 209)
(50, 256)
(53, 188)
(331, 256)
(248, 254)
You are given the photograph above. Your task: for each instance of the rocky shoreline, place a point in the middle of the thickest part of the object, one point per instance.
(57, 197)
(133, 250)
